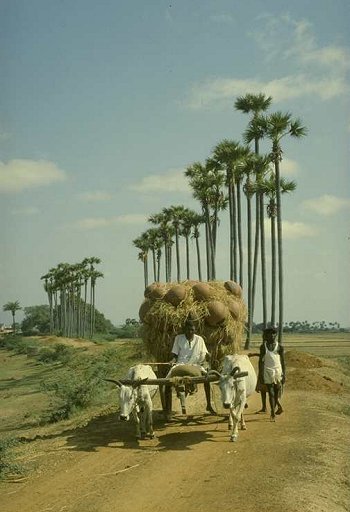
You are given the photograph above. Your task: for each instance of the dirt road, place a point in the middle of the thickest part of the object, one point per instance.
(297, 464)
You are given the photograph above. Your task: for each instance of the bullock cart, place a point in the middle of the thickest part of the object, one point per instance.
(183, 384)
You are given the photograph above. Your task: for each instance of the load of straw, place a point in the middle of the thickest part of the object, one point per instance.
(216, 308)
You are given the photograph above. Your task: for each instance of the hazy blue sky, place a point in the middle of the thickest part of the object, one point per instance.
(103, 105)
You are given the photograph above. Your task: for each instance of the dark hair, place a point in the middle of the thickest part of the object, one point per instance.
(270, 330)
(189, 324)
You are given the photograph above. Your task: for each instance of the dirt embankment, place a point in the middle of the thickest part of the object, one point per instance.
(299, 463)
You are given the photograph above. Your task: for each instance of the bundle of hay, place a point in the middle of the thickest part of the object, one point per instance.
(216, 308)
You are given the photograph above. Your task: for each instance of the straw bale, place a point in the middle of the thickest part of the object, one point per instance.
(234, 308)
(144, 309)
(175, 295)
(218, 312)
(155, 291)
(233, 288)
(162, 320)
(202, 291)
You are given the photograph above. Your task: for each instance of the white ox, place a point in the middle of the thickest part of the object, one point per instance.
(136, 399)
(234, 391)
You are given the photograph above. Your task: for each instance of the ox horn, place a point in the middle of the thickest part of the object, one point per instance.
(139, 382)
(214, 372)
(116, 382)
(234, 370)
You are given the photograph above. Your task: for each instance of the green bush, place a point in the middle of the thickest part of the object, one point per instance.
(7, 464)
(72, 391)
(58, 353)
(18, 344)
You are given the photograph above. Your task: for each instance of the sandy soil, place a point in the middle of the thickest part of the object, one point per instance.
(298, 463)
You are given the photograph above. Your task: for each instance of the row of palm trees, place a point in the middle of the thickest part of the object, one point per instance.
(68, 288)
(233, 171)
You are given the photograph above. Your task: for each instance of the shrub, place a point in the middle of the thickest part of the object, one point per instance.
(7, 464)
(72, 391)
(58, 353)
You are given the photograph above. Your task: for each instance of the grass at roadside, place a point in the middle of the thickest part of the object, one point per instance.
(45, 379)
(56, 381)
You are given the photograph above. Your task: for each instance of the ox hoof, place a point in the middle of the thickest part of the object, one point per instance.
(211, 410)
(183, 410)
(151, 436)
(279, 410)
(243, 427)
(272, 418)
(233, 438)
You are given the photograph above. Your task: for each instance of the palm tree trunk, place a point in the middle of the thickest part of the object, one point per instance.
(154, 264)
(273, 270)
(235, 235)
(279, 251)
(177, 255)
(187, 257)
(263, 259)
(232, 236)
(249, 236)
(239, 229)
(207, 245)
(256, 253)
(198, 260)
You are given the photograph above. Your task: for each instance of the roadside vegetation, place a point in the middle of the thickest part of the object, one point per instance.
(50, 384)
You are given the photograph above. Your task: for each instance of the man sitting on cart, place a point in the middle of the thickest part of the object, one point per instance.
(189, 349)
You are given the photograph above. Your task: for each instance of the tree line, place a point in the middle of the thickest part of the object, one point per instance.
(238, 178)
(68, 288)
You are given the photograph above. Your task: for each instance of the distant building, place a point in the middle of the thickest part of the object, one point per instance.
(6, 330)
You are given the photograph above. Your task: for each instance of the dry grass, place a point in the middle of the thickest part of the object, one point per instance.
(163, 321)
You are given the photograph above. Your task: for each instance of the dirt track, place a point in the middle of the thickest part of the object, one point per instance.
(295, 464)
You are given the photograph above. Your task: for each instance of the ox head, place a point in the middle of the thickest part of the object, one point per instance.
(227, 385)
(128, 398)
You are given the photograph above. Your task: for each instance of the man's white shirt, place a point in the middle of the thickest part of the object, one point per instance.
(189, 353)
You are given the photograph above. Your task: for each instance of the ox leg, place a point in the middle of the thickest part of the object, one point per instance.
(149, 420)
(143, 423)
(234, 425)
(168, 399)
(137, 422)
(208, 398)
(243, 425)
(162, 397)
(237, 417)
(182, 397)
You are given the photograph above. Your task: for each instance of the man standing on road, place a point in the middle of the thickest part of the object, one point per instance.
(272, 371)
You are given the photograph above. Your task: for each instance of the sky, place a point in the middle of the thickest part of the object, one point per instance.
(104, 105)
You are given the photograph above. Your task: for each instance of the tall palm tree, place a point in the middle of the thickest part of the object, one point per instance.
(261, 169)
(189, 220)
(256, 104)
(249, 190)
(176, 214)
(155, 242)
(207, 184)
(143, 245)
(197, 221)
(13, 307)
(95, 274)
(49, 289)
(269, 188)
(279, 125)
(230, 157)
(166, 232)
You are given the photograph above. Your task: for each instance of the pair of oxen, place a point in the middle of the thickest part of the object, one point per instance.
(237, 381)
